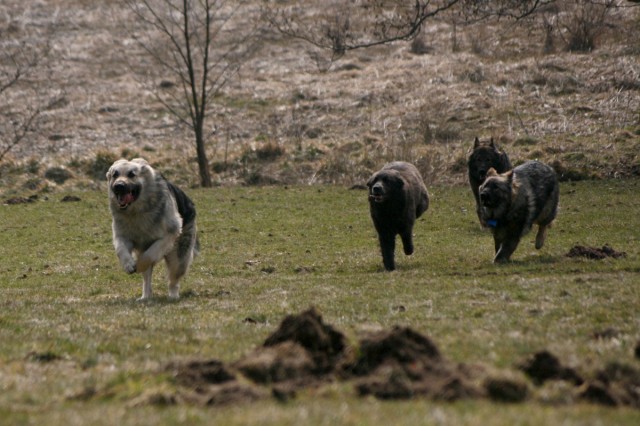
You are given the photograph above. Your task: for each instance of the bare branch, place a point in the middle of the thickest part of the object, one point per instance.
(385, 21)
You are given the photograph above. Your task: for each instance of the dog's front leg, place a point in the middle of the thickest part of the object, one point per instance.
(506, 249)
(124, 248)
(155, 253)
(146, 284)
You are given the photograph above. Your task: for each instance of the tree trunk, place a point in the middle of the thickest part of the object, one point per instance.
(203, 162)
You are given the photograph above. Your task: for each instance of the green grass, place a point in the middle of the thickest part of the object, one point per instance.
(268, 252)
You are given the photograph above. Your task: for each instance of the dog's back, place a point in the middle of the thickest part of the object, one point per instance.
(539, 184)
(418, 189)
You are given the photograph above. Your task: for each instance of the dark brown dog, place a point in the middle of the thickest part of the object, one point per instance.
(397, 197)
(512, 202)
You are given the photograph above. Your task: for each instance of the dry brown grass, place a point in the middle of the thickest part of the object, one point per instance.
(336, 122)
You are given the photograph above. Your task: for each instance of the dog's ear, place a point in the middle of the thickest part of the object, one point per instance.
(144, 165)
(492, 172)
(492, 144)
(476, 143)
(509, 176)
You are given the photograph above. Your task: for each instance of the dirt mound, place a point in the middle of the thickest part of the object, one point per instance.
(617, 384)
(392, 364)
(594, 252)
(303, 348)
(20, 200)
(286, 361)
(70, 199)
(506, 390)
(201, 373)
(324, 344)
(401, 346)
(207, 383)
(543, 366)
(402, 363)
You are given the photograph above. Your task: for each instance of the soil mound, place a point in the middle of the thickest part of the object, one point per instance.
(201, 373)
(324, 344)
(392, 364)
(302, 349)
(594, 252)
(402, 363)
(617, 384)
(402, 347)
(506, 390)
(207, 383)
(20, 200)
(543, 366)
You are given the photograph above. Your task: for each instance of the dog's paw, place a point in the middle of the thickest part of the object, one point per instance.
(130, 267)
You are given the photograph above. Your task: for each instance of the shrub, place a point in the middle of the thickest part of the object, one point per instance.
(98, 167)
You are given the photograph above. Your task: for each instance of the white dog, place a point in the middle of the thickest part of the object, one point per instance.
(152, 220)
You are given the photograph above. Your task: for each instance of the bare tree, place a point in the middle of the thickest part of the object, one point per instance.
(202, 44)
(384, 21)
(19, 62)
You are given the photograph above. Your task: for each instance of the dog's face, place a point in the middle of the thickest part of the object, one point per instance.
(383, 184)
(126, 181)
(484, 156)
(496, 193)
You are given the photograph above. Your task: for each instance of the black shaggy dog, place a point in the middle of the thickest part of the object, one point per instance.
(397, 197)
(485, 155)
(512, 202)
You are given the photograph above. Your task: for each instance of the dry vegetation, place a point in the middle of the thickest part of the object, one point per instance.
(292, 116)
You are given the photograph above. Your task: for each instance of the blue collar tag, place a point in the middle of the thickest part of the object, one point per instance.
(492, 223)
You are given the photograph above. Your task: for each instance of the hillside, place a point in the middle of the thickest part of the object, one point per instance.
(292, 117)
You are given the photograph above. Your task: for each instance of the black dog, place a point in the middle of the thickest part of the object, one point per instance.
(485, 155)
(397, 197)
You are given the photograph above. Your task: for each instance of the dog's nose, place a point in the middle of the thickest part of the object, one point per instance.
(119, 188)
(482, 173)
(377, 189)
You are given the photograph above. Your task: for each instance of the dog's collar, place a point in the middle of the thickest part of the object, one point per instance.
(493, 223)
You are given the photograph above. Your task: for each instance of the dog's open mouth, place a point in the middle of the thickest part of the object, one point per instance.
(376, 198)
(126, 196)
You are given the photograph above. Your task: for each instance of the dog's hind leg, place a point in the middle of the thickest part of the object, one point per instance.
(176, 268)
(146, 284)
(174, 288)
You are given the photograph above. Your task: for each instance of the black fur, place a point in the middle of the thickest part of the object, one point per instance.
(186, 208)
(514, 201)
(485, 155)
(397, 197)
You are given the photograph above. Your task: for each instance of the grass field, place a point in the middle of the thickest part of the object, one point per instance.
(78, 349)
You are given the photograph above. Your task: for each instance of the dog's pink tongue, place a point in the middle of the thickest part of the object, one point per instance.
(127, 199)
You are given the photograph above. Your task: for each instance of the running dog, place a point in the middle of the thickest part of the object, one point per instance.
(512, 202)
(152, 220)
(397, 197)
